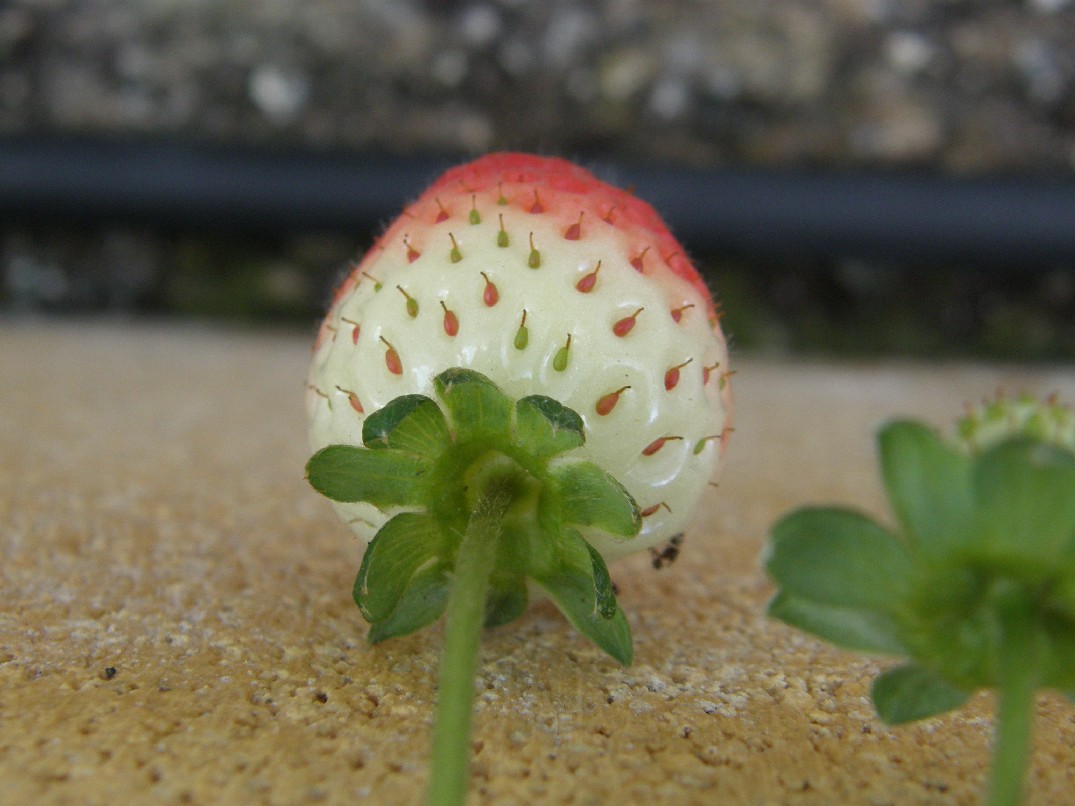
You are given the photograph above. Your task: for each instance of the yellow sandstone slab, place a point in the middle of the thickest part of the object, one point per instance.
(176, 624)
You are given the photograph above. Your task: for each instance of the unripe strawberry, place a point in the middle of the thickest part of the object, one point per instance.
(993, 421)
(532, 272)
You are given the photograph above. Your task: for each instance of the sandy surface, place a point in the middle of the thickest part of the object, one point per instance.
(176, 623)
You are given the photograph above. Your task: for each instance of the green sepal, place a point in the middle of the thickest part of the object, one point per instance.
(1025, 495)
(410, 423)
(406, 545)
(545, 427)
(1058, 633)
(478, 409)
(349, 474)
(604, 590)
(912, 692)
(580, 587)
(841, 558)
(1062, 596)
(506, 601)
(927, 482)
(586, 495)
(850, 628)
(423, 602)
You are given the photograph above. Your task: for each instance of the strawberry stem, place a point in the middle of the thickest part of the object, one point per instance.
(474, 564)
(1017, 662)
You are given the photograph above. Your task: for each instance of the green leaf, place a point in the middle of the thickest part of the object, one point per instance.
(911, 692)
(423, 602)
(545, 427)
(928, 484)
(476, 406)
(588, 496)
(408, 544)
(856, 629)
(839, 557)
(1025, 493)
(383, 478)
(411, 423)
(571, 584)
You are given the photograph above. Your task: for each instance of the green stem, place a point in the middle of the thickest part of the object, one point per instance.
(1017, 663)
(450, 771)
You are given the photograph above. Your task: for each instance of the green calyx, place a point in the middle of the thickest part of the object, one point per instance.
(431, 464)
(975, 584)
(975, 533)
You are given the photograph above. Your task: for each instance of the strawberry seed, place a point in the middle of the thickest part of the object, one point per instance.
(671, 376)
(608, 402)
(412, 253)
(391, 358)
(534, 261)
(656, 445)
(588, 281)
(490, 296)
(451, 321)
(626, 325)
(574, 232)
(636, 261)
(559, 361)
(677, 313)
(412, 303)
(522, 335)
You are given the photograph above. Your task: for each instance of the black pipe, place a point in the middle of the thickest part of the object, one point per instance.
(1021, 222)
(909, 218)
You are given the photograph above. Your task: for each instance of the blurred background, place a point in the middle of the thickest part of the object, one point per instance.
(855, 177)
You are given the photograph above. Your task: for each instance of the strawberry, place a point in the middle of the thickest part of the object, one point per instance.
(994, 420)
(534, 273)
(524, 377)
